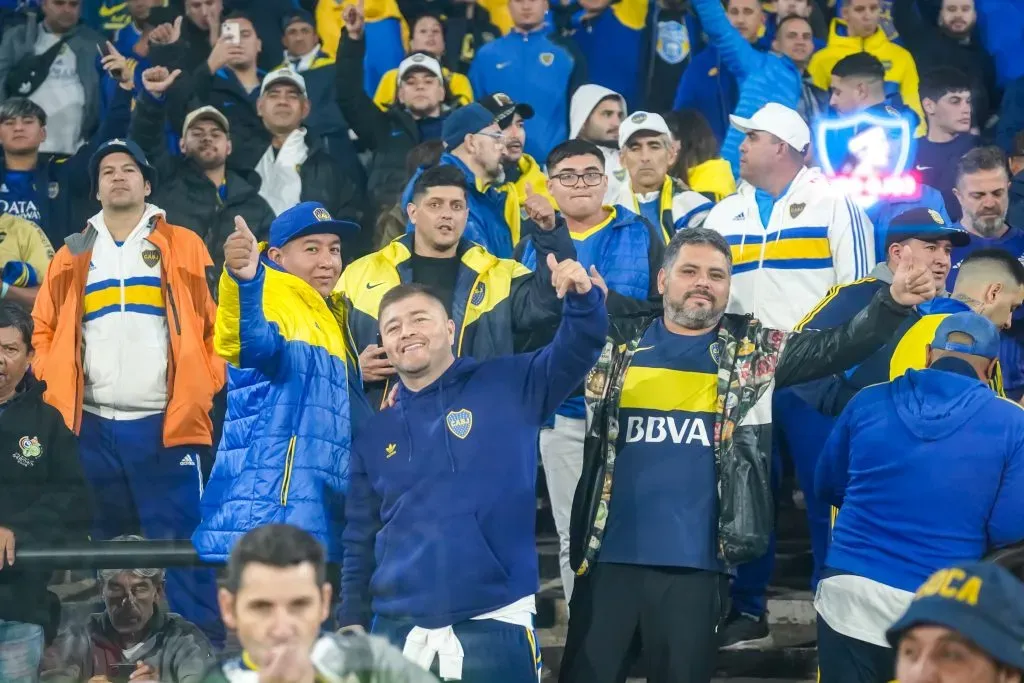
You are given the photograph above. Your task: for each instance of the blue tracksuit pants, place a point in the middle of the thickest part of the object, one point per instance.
(140, 486)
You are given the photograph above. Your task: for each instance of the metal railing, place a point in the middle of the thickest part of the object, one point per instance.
(110, 555)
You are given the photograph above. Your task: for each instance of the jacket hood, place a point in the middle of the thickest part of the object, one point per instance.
(942, 305)
(583, 103)
(938, 401)
(839, 36)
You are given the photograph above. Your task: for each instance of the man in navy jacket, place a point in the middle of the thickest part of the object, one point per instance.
(440, 540)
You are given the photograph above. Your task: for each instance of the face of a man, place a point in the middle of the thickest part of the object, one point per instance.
(282, 108)
(602, 126)
(299, 38)
(758, 156)
(21, 134)
(952, 112)
(1001, 301)
(695, 290)
(421, 92)
(934, 256)
(796, 40)
(61, 15)
(647, 156)
(248, 48)
(515, 139)
(121, 185)
(130, 601)
(746, 17)
(527, 14)
(862, 17)
(958, 17)
(428, 36)
(785, 8)
(440, 217)
(15, 357)
(935, 654)
(985, 199)
(847, 95)
(207, 144)
(488, 148)
(417, 335)
(276, 607)
(568, 185)
(198, 12)
(315, 259)
(139, 9)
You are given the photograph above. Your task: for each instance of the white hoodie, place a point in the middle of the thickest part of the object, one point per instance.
(582, 106)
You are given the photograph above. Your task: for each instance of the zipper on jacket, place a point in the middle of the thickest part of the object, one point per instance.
(173, 307)
(289, 460)
(469, 302)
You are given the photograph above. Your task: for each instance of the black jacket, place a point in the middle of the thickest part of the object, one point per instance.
(223, 91)
(43, 497)
(188, 197)
(389, 134)
(1015, 217)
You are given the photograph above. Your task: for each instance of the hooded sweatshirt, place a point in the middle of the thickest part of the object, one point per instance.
(898, 462)
(584, 101)
(441, 504)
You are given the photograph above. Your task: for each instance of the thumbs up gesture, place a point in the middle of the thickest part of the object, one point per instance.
(912, 284)
(539, 210)
(241, 252)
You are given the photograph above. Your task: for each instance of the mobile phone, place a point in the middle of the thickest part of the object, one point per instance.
(232, 30)
(119, 673)
(104, 50)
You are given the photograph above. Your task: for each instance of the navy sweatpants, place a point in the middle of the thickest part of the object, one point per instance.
(495, 652)
(141, 487)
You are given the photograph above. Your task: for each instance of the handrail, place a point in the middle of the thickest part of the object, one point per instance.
(110, 555)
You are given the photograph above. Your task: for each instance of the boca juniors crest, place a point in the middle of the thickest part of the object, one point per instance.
(460, 422)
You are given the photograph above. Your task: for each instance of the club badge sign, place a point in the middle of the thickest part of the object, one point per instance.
(868, 157)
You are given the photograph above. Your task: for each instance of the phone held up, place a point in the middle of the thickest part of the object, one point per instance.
(119, 673)
(232, 31)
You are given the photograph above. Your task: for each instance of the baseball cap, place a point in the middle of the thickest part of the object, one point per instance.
(642, 121)
(981, 601)
(464, 121)
(503, 108)
(307, 218)
(983, 334)
(129, 148)
(782, 122)
(924, 224)
(296, 16)
(284, 75)
(420, 61)
(206, 113)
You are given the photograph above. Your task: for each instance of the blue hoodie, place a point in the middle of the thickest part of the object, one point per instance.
(441, 505)
(898, 464)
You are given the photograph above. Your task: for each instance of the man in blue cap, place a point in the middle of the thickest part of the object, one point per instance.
(294, 392)
(965, 625)
(926, 471)
(475, 144)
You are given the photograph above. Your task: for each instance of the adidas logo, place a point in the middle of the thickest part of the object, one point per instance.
(741, 217)
(187, 461)
(3, 188)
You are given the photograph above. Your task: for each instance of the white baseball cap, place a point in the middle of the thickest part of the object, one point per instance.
(284, 75)
(782, 122)
(419, 61)
(642, 121)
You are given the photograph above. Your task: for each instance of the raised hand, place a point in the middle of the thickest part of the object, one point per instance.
(166, 33)
(539, 210)
(598, 280)
(157, 80)
(374, 365)
(241, 252)
(354, 17)
(911, 284)
(568, 276)
(116, 65)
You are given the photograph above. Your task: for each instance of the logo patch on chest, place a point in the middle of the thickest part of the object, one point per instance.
(31, 449)
(151, 257)
(796, 209)
(460, 422)
(478, 294)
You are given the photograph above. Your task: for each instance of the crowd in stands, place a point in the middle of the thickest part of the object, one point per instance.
(321, 286)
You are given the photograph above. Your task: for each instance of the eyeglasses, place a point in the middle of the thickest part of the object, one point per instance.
(590, 178)
(497, 137)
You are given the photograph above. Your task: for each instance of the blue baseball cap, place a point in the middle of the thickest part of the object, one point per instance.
(983, 602)
(307, 218)
(120, 145)
(464, 121)
(983, 333)
(926, 225)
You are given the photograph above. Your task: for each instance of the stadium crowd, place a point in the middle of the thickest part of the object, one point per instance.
(320, 285)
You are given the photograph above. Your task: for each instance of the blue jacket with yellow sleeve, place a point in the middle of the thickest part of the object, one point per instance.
(293, 398)
(494, 300)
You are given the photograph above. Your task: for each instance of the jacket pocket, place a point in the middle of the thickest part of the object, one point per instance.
(289, 462)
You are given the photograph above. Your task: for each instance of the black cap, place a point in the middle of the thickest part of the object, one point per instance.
(129, 148)
(503, 108)
(926, 225)
(298, 15)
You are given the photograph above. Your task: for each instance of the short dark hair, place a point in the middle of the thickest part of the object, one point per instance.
(239, 14)
(406, 291)
(421, 17)
(14, 315)
(791, 17)
(275, 545)
(574, 148)
(690, 236)
(15, 107)
(999, 258)
(423, 155)
(981, 159)
(939, 81)
(697, 142)
(860, 65)
(438, 176)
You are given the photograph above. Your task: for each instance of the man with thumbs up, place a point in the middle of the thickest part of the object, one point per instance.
(293, 384)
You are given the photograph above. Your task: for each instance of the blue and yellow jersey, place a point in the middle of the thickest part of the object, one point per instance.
(142, 295)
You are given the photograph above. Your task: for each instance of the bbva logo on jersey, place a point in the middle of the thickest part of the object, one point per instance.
(655, 429)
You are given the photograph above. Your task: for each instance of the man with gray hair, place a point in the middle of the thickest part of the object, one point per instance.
(655, 557)
(134, 632)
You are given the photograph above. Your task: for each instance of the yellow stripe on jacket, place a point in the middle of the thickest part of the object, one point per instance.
(713, 176)
(387, 89)
(781, 249)
(911, 352)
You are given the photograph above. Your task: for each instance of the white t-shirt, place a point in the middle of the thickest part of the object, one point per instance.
(859, 607)
(62, 97)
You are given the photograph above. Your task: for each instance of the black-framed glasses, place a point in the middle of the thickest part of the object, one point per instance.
(590, 178)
